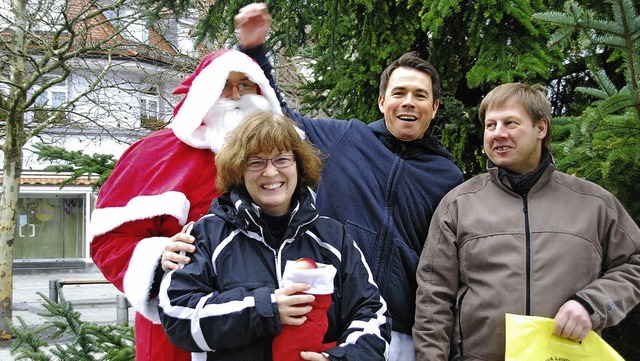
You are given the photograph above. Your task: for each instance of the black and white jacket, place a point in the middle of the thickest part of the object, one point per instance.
(223, 302)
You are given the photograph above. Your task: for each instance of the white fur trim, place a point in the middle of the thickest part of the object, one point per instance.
(207, 87)
(140, 274)
(320, 279)
(170, 203)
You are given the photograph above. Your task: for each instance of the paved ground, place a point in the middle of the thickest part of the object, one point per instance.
(96, 303)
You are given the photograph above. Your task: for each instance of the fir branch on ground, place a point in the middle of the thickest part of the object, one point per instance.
(64, 336)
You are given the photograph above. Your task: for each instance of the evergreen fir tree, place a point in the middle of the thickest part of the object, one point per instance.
(602, 143)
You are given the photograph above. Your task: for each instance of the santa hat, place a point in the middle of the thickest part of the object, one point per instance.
(204, 87)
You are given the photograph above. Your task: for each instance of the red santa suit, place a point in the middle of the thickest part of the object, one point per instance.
(159, 184)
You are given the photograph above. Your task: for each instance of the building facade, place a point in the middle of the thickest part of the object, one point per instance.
(133, 97)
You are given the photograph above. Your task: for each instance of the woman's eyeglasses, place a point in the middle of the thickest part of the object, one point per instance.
(281, 161)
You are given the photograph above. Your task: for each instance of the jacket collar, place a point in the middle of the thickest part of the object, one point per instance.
(237, 208)
(427, 144)
(494, 172)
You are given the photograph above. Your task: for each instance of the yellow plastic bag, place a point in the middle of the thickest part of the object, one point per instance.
(531, 338)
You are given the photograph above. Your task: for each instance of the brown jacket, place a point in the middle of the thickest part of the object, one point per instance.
(491, 251)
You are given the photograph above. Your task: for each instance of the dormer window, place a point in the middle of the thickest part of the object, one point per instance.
(129, 23)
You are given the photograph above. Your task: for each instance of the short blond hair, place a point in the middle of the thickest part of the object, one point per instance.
(265, 131)
(532, 99)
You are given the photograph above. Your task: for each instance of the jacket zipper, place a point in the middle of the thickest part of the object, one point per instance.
(385, 232)
(527, 236)
(276, 255)
(278, 259)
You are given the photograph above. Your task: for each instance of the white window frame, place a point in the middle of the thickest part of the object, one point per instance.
(149, 108)
(50, 98)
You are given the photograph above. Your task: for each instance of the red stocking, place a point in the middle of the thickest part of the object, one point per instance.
(306, 337)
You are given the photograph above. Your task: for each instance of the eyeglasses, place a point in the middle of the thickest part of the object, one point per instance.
(243, 87)
(281, 161)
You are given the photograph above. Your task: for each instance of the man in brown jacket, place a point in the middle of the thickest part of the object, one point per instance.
(523, 238)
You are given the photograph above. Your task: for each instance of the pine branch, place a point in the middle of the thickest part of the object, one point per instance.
(86, 341)
(76, 162)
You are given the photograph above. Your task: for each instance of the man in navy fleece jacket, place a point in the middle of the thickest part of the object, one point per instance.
(382, 180)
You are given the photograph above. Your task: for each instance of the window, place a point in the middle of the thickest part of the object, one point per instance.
(50, 226)
(149, 113)
(130, 23)
(51, 101)
(55, 96)
(185, 38)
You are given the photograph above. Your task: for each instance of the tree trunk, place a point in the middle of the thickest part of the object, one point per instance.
(12, 149)
(8, 203)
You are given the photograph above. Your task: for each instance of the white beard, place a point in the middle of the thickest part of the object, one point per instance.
(225, 115)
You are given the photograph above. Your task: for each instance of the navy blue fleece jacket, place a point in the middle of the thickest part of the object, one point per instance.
(383, 190)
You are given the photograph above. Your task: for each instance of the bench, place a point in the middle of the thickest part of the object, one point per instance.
(122, 304)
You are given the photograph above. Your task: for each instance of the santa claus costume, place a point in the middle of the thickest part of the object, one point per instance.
(160, 183)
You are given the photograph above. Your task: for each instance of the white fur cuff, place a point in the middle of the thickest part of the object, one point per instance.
(140, 275)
